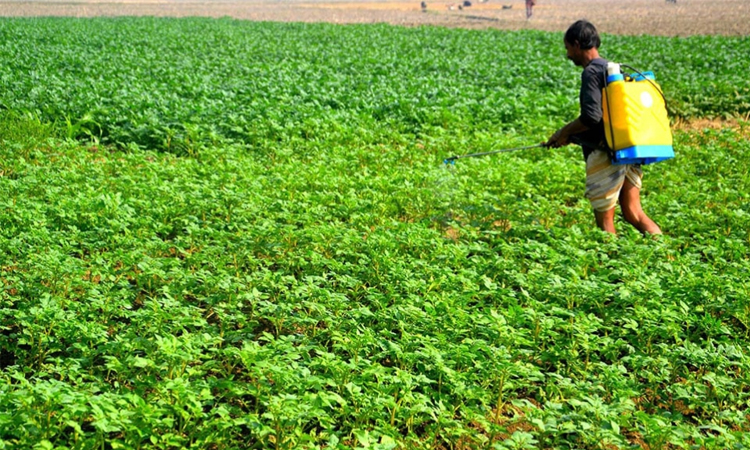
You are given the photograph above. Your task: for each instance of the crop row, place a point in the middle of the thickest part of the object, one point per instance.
(365, 297)
(177, 84)
(313, 277)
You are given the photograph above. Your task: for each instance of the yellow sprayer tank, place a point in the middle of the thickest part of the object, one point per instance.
(635, 119)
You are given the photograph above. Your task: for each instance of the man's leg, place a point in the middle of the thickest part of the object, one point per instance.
(630, 202)
(606, 220)
(603, 184)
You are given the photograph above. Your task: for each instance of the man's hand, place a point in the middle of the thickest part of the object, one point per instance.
(562, 136)
(559, 139)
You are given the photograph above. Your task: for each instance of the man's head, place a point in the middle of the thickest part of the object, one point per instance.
(582, 42)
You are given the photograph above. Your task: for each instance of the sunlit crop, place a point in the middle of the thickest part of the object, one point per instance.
(218, 234)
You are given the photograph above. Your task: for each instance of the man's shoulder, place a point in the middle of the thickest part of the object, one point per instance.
(597, 65)
(595, 68)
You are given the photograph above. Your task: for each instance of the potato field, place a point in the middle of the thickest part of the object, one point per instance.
(226, 234)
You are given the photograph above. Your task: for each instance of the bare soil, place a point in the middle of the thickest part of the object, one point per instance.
(630, 17)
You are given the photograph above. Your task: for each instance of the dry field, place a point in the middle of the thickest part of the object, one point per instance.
(683, 18)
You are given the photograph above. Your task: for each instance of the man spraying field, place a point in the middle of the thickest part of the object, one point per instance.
(606, 184)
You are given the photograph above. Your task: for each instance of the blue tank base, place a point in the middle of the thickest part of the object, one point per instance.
(644, 154)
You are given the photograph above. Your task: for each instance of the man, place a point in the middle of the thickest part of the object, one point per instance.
(529, 6)
(605, 183)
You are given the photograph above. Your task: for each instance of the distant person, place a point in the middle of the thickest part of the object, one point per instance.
(529, 8)
(606, 184)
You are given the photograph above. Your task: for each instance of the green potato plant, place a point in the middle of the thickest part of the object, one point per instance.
(222, 234)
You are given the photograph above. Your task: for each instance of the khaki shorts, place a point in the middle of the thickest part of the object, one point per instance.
(604, 180)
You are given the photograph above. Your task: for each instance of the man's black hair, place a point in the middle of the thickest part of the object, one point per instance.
(583, 32)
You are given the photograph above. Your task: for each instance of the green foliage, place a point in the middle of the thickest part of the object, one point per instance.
(155, 301)
(342, 288)
(179, 85)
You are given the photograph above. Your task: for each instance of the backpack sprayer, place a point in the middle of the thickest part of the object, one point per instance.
(636, 125)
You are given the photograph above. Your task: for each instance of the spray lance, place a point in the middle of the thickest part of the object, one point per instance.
(452, 159)
(573, 140)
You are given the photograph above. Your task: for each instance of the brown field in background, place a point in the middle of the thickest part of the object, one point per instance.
(631, 17)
